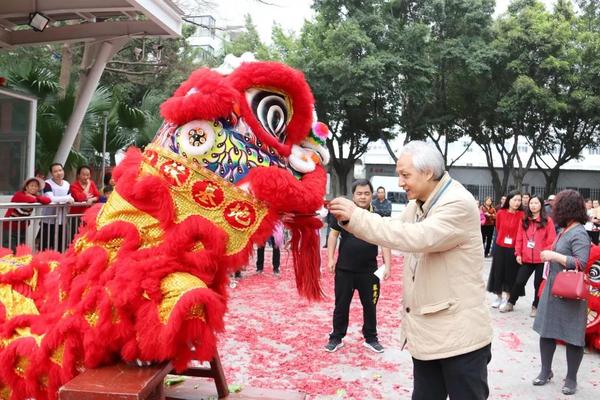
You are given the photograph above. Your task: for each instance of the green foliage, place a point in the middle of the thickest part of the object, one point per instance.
(353, 72)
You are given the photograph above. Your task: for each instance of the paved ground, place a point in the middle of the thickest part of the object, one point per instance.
(275, 339)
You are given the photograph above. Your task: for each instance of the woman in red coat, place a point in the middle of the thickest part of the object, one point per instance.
(14, 232)
(84, 190)
(504, 269)
(535, 234)
(487, 228)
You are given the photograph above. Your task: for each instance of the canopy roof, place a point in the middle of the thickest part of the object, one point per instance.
(87, 20)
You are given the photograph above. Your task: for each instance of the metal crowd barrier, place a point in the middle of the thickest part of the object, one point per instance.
(48, 227)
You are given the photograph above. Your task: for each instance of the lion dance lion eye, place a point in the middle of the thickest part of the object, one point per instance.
(272, 111)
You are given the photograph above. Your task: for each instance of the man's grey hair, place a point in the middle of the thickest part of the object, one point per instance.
(425, 158)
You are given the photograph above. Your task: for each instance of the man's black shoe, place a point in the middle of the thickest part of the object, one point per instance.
(374, 345)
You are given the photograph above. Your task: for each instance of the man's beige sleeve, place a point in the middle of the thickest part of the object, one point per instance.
(443, 229)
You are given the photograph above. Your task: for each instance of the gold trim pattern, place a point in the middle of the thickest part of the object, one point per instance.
(11, 262)
(57, 355)
(21, 366)
(173, 287)
(186, 206)
(22, 332)
(119, 209)
(92, 318)
(15, 303)
(4, 392)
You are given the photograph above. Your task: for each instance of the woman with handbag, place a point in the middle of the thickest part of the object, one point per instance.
(536, 233)
(560, 317)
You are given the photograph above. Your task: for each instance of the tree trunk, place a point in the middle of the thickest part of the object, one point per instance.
(342, 169)
(499, 186)
(551, 182)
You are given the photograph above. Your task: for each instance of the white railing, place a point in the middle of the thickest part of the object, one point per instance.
(48, 227)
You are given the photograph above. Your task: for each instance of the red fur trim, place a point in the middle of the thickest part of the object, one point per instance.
(284, 193)
(306, 248)
(279, 77)
(214, 99)
(173, 340)
(592, 333)
(148, 193)
(8, 358)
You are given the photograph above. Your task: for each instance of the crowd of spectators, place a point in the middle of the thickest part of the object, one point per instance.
(82, 194)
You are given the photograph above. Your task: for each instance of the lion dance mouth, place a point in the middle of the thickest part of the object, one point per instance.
(146, 276)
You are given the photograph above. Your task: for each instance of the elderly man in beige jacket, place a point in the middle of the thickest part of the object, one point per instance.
(446, 323)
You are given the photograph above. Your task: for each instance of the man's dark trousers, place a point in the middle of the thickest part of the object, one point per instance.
(368, 288)
(260, 256)
(462, 377)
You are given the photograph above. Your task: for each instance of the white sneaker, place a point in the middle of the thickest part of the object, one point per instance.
(503, 303)
(506, 307)
(496, 302)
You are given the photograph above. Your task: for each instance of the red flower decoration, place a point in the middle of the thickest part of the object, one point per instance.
(208, 194)
(175, 173)
(240, 214)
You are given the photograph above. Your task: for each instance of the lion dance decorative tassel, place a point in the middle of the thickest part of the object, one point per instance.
(145, 277)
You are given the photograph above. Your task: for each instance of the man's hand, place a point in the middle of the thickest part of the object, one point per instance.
(342, 208)
(386, 272)
(519, 260)
(331, 266)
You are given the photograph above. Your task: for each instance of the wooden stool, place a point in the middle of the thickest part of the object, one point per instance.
(128, 382)
(215, 372)
(119, 381)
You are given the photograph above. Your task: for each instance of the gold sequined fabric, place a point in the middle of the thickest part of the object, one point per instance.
(173, 287)
(199, 191)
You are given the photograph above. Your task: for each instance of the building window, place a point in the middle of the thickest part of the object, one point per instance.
(205, 26)
(522, 148)
(206, 52)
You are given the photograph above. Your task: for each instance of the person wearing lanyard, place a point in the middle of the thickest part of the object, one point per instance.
(536, 233)
(445, 321)
(503, 272)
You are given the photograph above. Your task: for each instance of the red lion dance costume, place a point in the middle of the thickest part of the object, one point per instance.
(592, 333)
(145, 277)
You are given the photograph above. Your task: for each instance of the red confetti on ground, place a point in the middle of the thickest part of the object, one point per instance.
(274, 339)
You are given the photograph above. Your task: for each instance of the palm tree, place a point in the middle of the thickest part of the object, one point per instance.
(54, 112)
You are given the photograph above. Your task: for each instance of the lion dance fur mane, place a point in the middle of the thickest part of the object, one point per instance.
(592, 333)
(145, 277)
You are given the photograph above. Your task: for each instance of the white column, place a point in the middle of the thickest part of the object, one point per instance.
(30, 169)
(88, 87)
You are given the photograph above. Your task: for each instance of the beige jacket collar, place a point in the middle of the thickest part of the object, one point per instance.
(423, 207)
